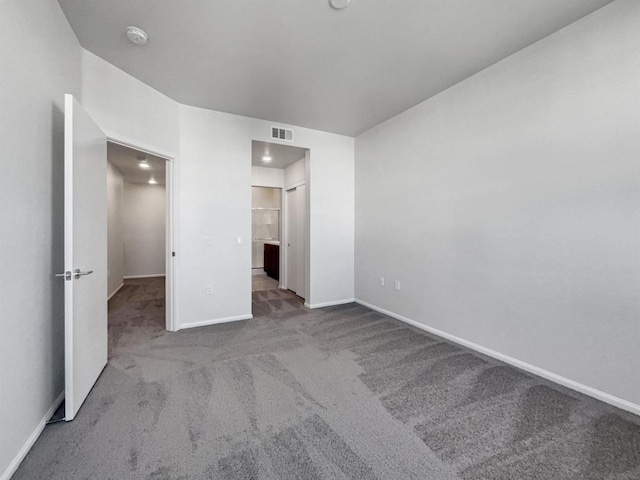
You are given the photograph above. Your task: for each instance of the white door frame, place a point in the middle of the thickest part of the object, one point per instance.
(170, 212)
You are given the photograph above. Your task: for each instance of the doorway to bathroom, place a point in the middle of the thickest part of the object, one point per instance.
(279, 216)
(266, 229)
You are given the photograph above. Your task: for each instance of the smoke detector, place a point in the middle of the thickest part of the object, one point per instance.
(339, 4)
(137, 35)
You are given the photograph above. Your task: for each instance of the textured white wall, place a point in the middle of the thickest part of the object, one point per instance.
(115, 255)
(508, 206)
(144, 227)
(37, 70)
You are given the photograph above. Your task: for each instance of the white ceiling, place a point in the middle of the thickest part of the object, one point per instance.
(281, 155)
(300, 62)
(126, 161)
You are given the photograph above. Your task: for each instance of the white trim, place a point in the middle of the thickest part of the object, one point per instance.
(565, 382)
(170, 247)
(145, 148)
(154, 275)
(284, 232)
(215, 321)
(115, 291)
(329, 304)
(17, 460)
(295, 185)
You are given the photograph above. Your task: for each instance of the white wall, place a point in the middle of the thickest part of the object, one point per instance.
(508, 206)
(212, 172)
(295, 173)
(267, 177)
(215, 202)
(115, 254)
(144, 223)
(127, 109)
(37, 70)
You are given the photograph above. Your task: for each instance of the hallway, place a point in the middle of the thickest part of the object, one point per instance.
(267, 298)
(136, 315)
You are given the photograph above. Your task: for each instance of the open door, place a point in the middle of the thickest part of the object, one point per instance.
(85, 255)
(296, 199)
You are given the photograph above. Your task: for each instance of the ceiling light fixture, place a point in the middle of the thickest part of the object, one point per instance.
(137, 35)
(144, 164)
(266, 158)
(152, 181)
(339, 4)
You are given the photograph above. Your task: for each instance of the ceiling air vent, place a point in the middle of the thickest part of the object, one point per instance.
(282, 134)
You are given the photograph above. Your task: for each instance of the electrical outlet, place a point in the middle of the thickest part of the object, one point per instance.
(207, 242)
(397, 285)
(209, 289)
(382, 281)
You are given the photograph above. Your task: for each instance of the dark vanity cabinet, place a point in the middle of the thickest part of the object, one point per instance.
(272, 260)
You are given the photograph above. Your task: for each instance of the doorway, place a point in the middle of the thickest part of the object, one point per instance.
(139, 245)
(280, 175)
(266, 225)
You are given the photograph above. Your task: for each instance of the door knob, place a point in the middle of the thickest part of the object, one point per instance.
(77, 273)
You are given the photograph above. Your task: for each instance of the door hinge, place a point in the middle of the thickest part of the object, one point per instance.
(173, 254)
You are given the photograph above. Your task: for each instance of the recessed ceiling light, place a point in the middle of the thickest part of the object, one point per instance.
(137, 35)
(153, 181)
(339, 4)
(144, 164)
(266, 158)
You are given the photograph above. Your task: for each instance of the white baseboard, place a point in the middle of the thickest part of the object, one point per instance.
(329, 304)
(115, 291)
(15, 463)
(130, 277)
(565, 382)
(215, 321)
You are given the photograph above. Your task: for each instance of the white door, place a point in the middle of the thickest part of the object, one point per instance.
(296, 200)
(85, 254)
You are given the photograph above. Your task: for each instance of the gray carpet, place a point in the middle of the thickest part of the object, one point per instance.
(335, 393)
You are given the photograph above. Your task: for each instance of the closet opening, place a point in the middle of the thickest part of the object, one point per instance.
(138, 246)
